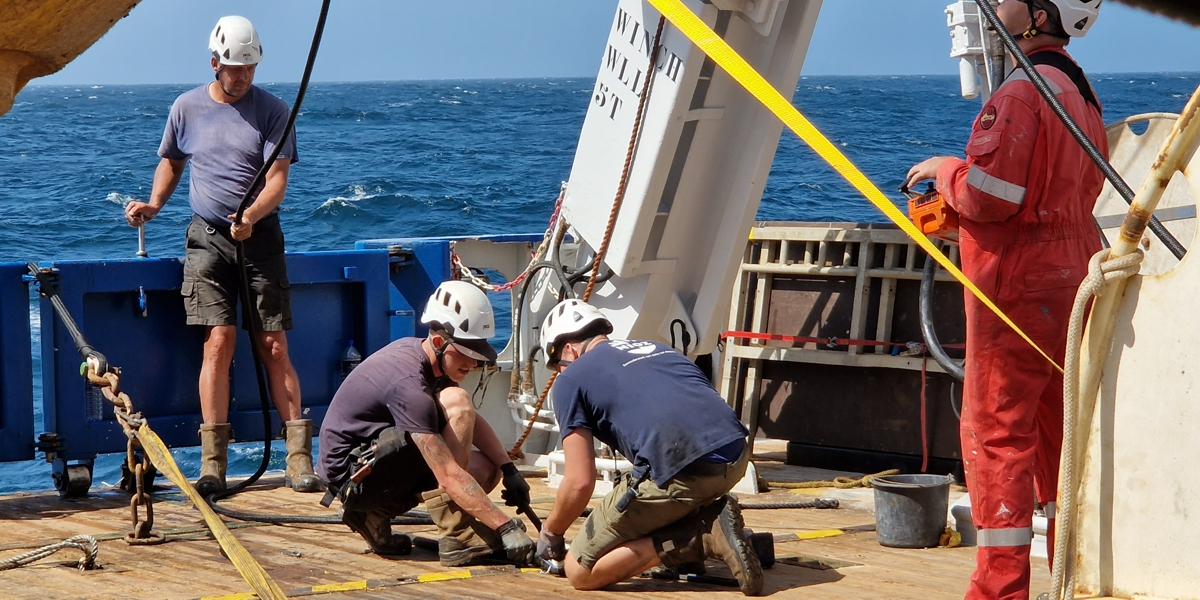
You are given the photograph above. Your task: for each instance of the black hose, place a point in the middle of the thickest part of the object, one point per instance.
(248, 313)
(519, 306)
(950, 365)
(563, 274)
(582, 276)
(1111, 174)
(409, 518)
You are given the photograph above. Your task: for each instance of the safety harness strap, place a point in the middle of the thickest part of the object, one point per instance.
(1013, 536)
(1072, 71)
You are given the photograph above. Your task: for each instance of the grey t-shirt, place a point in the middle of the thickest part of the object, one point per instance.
(226, 145)
(392, 387)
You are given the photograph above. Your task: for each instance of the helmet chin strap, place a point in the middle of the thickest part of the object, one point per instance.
(1032, 32)
(440, 353)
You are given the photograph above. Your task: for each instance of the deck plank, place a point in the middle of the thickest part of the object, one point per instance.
(302, 556)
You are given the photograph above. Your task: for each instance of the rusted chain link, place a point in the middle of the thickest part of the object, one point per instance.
(142, 534)
(110, 385)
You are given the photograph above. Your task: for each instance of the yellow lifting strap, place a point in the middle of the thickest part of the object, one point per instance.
(251, 571)
(728, 59)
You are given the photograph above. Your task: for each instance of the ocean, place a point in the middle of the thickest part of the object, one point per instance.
(436, 158)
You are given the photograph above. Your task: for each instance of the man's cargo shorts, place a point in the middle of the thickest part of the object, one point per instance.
(212, 279)
(697, 485)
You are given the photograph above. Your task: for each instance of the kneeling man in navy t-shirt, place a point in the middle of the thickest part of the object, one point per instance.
(687, 446)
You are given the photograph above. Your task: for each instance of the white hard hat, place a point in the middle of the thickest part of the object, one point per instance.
(1077, 16)
(235, 42)
(565, 321)
(463, 311)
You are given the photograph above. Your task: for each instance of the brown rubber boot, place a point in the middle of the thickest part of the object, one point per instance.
(716, 531)
(725, 540)
(680, 543)
(461, 538)
(214, 443)
(299, 474)
(376, 528)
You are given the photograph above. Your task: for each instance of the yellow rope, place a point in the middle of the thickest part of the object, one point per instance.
(251, 571)
(721, 53)
(841, 483)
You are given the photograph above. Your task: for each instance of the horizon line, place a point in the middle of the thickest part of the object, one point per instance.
(550, 77)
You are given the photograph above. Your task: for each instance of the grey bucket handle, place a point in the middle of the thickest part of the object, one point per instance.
(910, 486)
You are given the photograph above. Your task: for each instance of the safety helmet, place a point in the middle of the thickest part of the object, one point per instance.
(1077, 16)
(463, 311)
(235, 42)
(566, 321)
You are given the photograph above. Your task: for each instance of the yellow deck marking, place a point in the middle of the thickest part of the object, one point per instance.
(448, 576)
(340, 587)
(818, 534)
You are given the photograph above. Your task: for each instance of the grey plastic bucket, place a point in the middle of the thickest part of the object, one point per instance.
(910, 510)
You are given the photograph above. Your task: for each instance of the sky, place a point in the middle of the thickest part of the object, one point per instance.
(165, 41)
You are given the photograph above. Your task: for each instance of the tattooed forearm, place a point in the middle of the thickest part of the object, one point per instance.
(435, 451)
(457, 482)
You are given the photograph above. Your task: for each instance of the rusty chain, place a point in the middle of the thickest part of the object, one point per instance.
(110, 385)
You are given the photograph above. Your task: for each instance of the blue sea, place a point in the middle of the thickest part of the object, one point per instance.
(465, 157)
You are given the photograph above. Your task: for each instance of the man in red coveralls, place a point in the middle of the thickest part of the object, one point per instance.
(1024, 196)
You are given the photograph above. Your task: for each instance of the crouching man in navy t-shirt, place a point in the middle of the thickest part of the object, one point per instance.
(687, 446)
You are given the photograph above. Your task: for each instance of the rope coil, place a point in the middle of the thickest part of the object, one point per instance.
(841, 483)
(1101, 271)
(86, 543)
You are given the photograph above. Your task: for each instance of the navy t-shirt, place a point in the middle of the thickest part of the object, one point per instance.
(225, 144)
(395, 386)
(648, 401)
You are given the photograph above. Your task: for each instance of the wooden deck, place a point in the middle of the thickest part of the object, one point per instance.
(832, 553)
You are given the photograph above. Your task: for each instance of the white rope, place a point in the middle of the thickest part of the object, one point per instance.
(1100, 273)
(86, 543)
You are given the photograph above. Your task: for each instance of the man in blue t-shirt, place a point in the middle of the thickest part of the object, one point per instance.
(226, 130)
(687, 447)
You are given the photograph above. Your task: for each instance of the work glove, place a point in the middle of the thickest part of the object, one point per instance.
(516, 490)
(551, 546)
(517, 545)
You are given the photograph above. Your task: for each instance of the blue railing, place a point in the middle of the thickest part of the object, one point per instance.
(132, 311)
